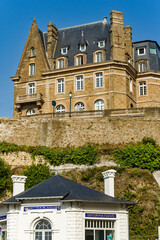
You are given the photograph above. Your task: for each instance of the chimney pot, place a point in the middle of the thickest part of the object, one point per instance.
(18, 184)
(109, 176)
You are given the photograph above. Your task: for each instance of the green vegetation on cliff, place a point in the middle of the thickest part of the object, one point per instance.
(133, 182)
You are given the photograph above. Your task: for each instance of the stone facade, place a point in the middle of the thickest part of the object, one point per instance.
(38, 67)
(79, 131)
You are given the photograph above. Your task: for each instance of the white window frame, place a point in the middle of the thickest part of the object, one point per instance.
(142, 88)
(64, 51)
(79, 60)
(43, 231)
(60, 85)
(79, 106)
(131, 85)
(101, 42)
(61, 63)
(79, 83)
(31, 88)
(99, 80)
(31, 69)
(140, 54)
(99, 104)
(81, 48)
(31, 112)
(99, 57)
(60, 108)
(32, 52)
(100, 225)
(142, 66)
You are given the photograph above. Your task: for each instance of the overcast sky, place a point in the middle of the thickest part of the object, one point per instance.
(16, 17)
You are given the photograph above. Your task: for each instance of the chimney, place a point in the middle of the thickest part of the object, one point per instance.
(109, 182)
(117, 36)
(51, 42)
(18, 184)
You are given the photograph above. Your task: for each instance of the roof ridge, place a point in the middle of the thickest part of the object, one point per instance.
(102, 21)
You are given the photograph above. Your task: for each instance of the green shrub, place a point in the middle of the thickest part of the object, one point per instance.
(5, 176)
(36, 174)
(150, 140)
(144, 156)
(81, 155)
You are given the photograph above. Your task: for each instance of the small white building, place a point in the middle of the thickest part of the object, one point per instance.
(60, 209)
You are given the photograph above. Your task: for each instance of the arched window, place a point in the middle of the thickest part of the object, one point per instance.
(60, 108)
(79, 106)
(31, 112)
(43, 230)
(99, 105)
(32, 52)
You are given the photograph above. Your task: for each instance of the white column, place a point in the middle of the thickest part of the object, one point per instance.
(109, 182)
(18, 184)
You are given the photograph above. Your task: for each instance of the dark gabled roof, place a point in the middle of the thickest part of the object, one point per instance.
(90, 34)
(65, 190)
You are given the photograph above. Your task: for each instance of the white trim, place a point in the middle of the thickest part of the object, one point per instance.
(56, 88)
(99, 44)
(62, 49)
(140, 54)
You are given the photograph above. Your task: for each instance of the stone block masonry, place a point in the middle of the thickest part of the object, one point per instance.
(78, 131)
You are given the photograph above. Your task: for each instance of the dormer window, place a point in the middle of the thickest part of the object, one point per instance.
(141, 51)
(82, 47)
(64, 50)
(32, 52)
(99, 57)
(61, 63)
(101, 44)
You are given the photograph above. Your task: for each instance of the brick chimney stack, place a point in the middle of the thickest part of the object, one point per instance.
(51, 43)
(117, 36)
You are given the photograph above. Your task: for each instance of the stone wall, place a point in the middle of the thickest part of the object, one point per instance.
(78, 131)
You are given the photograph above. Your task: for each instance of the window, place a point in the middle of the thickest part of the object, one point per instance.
(131, 88)
(60, 86)
(31, 88)
(99, 57)
(99, 80)
(152, 50)
(31, 112)
(64, 51)
(60, 108)
(99, 105)
(79, 106)
(99, 229)
(79, 83)
(142, 88)
(43, 230)
(61, 63)
(142, 67)
(101, 44)
(32, 69)
(82, 47)
(32, 52)
(79, 60)
(141, 51)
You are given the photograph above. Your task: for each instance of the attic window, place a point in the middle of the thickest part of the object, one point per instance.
(82, 47)
(141, 51)
(101, 44)
(32, 52)
(64, 51)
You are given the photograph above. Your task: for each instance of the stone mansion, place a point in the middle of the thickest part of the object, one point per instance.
(93, 66)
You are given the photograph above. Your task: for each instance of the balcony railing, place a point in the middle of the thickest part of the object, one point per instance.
(36, 97)
(95, 113)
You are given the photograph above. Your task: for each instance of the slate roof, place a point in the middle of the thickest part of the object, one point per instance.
(88, 33)
(65, 190)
